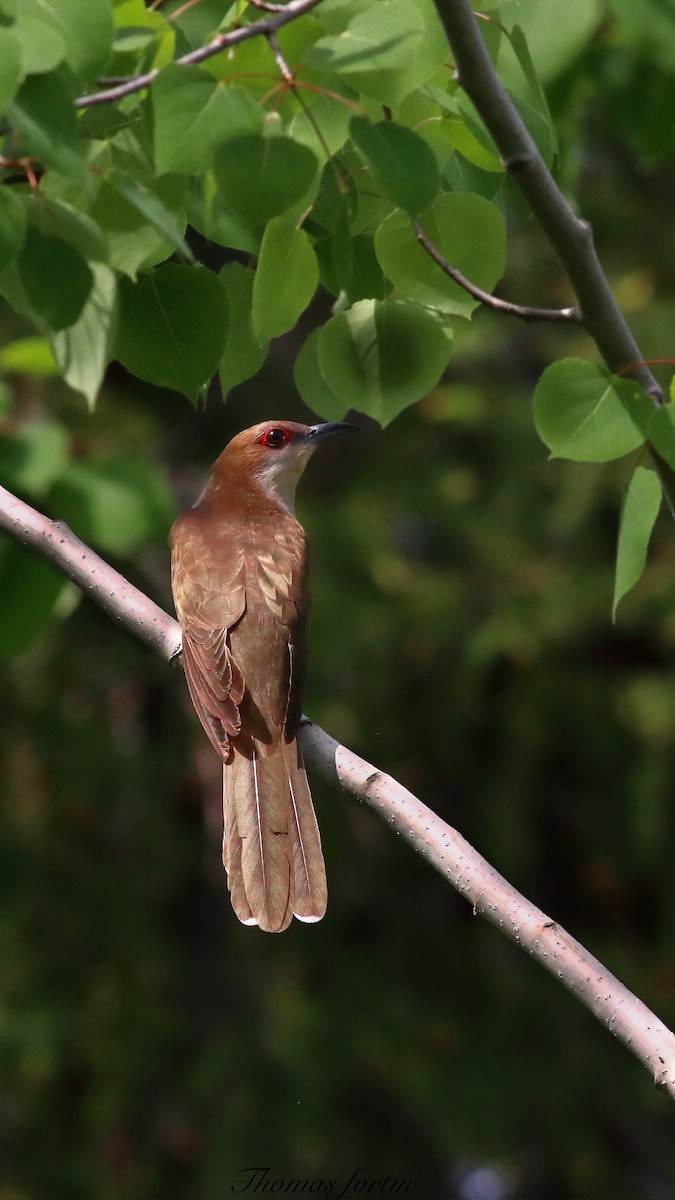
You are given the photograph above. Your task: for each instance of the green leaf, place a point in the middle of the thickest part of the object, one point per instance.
(382, 355)
(385, 50)
(12, 225)
(193, 113)
(206, 213)
(662, 432)
(400, 163)
(260, 177)
(56, 278)
(134, 241)
(85, 28)
(29, 356)
(461, 138)
(43, 116)
(641, 504)
(244, 354)
(285, 280)
(573, 22)
(381, 38)
(84, 350)
(311, 384)
(583, 412)
(322, 123)
(152, 207)
(34, 457)
(42, 45)
(11, 65)
(469, 233)
(173, 327)
(31, 593)
(63, 220)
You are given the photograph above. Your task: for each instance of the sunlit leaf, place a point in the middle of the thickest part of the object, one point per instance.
(382, 355)
(311, 384)
(193, 113)
(641, 504)
(285, 280)
(29, 356)
(469, 233)
(84, 350)
(583, 412)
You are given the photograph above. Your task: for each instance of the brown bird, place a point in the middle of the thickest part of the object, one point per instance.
(239, 580)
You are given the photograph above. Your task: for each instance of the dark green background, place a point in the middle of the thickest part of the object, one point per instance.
(462, 641)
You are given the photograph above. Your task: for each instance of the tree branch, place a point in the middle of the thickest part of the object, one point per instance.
(125, 603)
(279, 16)
(525, 312)
(570, 237)
(443, 848)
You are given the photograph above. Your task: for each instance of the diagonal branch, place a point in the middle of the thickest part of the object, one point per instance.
(570, 236)
(525, 312)
(444, 848)
(223, 41)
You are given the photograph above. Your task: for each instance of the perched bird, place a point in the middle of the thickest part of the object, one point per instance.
(239, 580)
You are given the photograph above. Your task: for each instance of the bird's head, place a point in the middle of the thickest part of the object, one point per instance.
(273, 455)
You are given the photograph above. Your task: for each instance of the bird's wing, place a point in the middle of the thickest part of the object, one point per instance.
(282, 577)
(210, 597)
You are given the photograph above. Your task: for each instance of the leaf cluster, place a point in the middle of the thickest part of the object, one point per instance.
(307, 156)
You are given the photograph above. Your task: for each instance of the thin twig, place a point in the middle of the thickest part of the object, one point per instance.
(525, 312)
(284, 69)
(267, 7)
(443, 847)
(223, 41)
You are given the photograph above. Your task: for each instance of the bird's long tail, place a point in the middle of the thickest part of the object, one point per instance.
(271, 844)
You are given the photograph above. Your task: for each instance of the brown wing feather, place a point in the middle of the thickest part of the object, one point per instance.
(282, 576)
(210, 597)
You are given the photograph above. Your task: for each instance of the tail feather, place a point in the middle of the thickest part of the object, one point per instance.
(232, 858)
(309, 873)
(271, 845)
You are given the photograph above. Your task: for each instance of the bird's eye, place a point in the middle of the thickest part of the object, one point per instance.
(275, 438)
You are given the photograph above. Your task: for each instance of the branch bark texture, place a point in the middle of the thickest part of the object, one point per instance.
(569, 235)
(443, 847)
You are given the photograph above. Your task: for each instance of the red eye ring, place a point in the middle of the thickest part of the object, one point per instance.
(275, 438)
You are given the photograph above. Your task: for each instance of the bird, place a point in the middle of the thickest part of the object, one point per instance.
(240, 585)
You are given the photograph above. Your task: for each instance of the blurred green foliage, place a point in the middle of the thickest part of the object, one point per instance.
(461, 640)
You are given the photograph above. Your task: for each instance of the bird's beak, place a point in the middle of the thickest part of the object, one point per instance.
(317, 433)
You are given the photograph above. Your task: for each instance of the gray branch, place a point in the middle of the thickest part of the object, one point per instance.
(570, 236)
(280, 15)
(442, 847)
